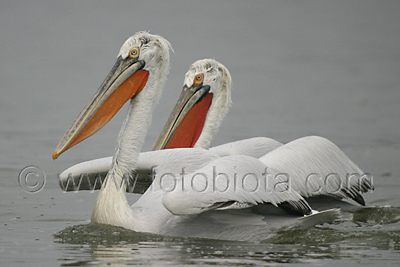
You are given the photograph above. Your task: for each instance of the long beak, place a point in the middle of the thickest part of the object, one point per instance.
(186, 121)
(125, 80)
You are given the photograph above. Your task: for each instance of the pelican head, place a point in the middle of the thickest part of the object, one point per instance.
(142, 63)
(201, 108)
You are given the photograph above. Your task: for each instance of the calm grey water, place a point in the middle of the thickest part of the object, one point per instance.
(298, 68)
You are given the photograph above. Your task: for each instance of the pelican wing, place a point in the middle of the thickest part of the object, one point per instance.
(231, 182)
(89, 175)
(315, 166)
(254, 147)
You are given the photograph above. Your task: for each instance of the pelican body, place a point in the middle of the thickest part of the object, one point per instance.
(196, 191)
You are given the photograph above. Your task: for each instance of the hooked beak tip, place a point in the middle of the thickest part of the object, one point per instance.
(55, 155)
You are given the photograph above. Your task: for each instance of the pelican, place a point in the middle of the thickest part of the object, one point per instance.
(313, 165)
(196, 201)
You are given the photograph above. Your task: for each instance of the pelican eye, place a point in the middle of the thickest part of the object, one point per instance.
(134, 52)
(198, 79)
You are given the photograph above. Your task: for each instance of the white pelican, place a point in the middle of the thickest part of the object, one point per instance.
(213, 201)
(314, 166)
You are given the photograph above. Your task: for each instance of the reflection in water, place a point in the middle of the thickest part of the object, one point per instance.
(371, 230)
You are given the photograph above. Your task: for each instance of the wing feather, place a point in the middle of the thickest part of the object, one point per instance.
(254, 147)
(316, 167)
(230, 182)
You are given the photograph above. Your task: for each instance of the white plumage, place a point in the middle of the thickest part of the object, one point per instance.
(195, 190)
